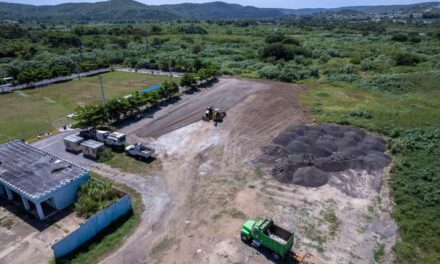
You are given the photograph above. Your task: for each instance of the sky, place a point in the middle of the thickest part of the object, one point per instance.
(294, 4)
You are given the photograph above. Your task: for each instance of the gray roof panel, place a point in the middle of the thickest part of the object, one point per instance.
(34, 172)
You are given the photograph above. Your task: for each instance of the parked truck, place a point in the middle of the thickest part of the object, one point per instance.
(264, 232)
(114, 140)
(139, 151)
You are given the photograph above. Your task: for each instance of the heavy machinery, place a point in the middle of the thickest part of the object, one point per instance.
(264, 232)
(139, 151)
(214, 114)
(115, 140)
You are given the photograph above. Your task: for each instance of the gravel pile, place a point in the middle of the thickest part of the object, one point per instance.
(308, 156)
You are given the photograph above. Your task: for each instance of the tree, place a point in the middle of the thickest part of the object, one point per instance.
(274, 37)
(277, 51)
(188, 80)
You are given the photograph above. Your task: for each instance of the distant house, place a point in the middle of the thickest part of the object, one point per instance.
(8, 79)
(40, 182)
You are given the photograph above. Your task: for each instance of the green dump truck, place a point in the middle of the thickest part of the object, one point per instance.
(265, 232)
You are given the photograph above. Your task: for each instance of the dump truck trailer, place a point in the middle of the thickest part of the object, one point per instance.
(266, 233)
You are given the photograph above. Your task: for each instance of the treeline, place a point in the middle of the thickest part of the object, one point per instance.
(120, 109)
(116, 110)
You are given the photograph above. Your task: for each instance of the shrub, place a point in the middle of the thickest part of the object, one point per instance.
(277, 51)
(95, 196)
(361, 114)
(269, 72)
(399, 37)
(288, 74)
(408, 59)
(274, 37)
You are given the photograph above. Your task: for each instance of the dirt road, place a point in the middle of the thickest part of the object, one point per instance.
(225, 94)
(203, 165)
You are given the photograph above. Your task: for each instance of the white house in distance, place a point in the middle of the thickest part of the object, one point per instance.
(40, 182)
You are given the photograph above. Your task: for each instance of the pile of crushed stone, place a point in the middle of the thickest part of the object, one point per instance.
(309, 156)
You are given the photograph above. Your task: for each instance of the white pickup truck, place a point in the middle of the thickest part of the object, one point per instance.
(139, 151)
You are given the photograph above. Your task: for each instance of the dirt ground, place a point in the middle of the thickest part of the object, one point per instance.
(24, 239)
(210, 184)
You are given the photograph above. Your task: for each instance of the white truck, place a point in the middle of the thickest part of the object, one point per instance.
(139, 151)
(114, 140)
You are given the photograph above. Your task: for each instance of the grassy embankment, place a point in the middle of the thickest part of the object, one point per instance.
(27, 113)
(410, 118)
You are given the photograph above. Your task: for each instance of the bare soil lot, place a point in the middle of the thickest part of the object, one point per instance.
(24, 239)
(211, 183)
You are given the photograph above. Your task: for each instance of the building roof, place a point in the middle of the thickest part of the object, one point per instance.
(92, 144)
(35, 173)
(74, 138)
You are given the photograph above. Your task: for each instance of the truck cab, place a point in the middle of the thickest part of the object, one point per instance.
(265, 232)
(116, 139)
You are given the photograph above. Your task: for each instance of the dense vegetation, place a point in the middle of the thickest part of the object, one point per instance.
(382, 76)
(95, 196)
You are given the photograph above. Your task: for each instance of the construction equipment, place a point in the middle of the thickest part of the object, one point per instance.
(265, 232)
(115, 140)
(139, 151)
(214, 114)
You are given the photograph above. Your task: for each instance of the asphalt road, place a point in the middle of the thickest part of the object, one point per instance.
(55, 145)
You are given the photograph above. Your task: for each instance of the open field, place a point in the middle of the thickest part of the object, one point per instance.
(411, 121)
(26, 113)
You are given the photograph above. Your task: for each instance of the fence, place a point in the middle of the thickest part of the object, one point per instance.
(8, 89)
(91, 227)
(151, 71)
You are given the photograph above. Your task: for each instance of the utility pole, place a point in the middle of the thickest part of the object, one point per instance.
(169, 68)
(102, 89)
(77, 69)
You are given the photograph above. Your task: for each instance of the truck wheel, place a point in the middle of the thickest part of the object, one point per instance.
(244, 238)
(276, 256)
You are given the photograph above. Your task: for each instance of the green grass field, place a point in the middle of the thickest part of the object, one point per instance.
(27, 113)
(132, 165)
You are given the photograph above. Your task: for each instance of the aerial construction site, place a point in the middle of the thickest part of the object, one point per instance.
(238, 172)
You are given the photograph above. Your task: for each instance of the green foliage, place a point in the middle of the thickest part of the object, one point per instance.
(408, 59)
(274, 37)
(191, 29)
(399, 37)
(393, 83)
(95, 196)
(277, 51)
(188, 80)
(361, 114)
(269, 72)
(106, 156)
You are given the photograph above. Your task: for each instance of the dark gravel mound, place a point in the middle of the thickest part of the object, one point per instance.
(308, 156)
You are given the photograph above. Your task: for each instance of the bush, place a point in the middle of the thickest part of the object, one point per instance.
(288, 74)
(274, 37)
(95, 196)
(399, 37)
(361, 114)
(408, 59)
(277, 51)
(393, 83)
(269, 72)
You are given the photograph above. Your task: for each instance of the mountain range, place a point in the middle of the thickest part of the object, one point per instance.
(132, 11)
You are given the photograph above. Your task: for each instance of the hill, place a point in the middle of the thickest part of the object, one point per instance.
(221, 10)
(131, 11)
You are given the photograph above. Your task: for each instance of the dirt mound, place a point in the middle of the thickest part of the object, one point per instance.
(309, 156)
